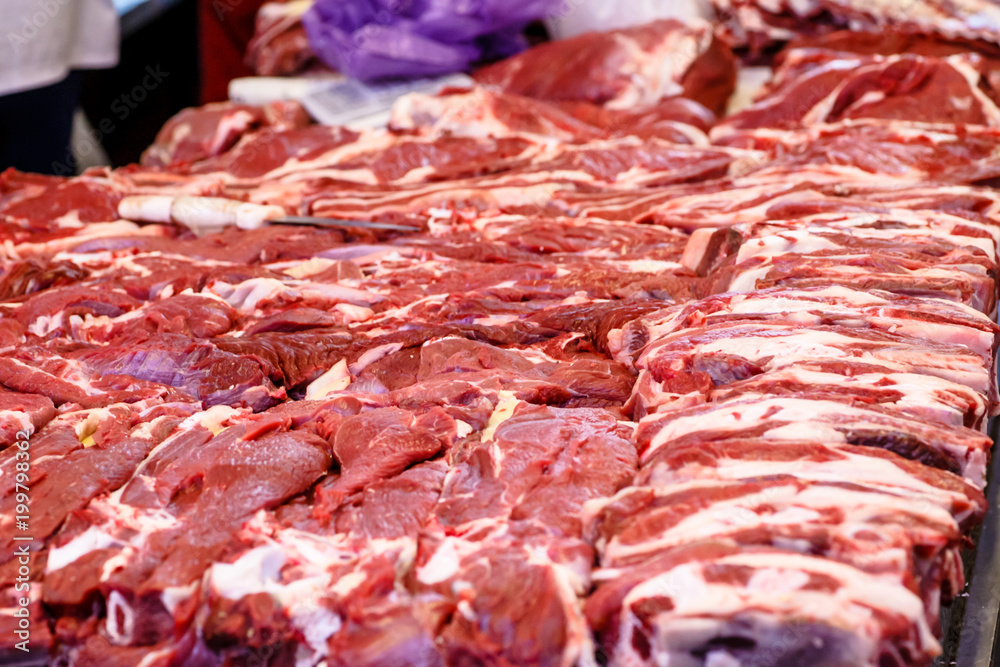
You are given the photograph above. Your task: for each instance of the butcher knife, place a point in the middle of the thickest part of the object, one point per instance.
(205, 215)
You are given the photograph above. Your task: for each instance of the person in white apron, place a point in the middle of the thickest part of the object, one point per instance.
(42, 42)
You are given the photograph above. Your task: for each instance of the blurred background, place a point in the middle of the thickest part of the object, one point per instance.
(91, 82)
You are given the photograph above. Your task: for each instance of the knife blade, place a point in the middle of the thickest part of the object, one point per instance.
(336, 222)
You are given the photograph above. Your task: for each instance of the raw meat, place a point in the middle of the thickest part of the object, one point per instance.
(623, 69)
(635, 388)
(197, 134)
(815, 86)
(758, 23)
(280, 46)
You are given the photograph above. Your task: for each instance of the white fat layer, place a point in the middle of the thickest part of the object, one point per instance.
(336, 379)
(245, 296)
(317, 625)
(249, 574)
(463, 429)
(152, 658)
(259, 571)
(444, 563)
(501, 413)
(172, 596)
(88, 426)
(373, 355)
(92, 539)
(352, 314)
(120, 623)
(305, 268)
(213, 418)
(43, 325)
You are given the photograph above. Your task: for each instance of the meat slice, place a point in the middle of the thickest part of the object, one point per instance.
(813, 86)
(38, 369)
(705, 358)
(379, 444)
(228, 253)
(631, 67)
(393, 507)
(906, 153)
(175, 518)
(200, 133)
(22, 413)
(631, 161)
(892, 41)
(960, 450)
(196, 134)
(75, 457)
(923, 397)
(529, 374)
(715, 603)
(34, 275)
(769, 193)
(940, 321)
(51, 311)
(589, 236)
(56, 203)
(759, 23)
(535, 464)
(855, 523)
(676, 119)
(489, 623)
(752, 459)
(485, 111)
(280, 46)
(192, 315)
(197, 368)
(318, 598)
(262, 155)
(934, 263)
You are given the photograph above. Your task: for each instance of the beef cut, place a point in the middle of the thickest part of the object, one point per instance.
(759, 23)
(623, 69)
(814, 86)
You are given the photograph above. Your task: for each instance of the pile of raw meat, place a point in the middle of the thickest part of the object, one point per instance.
(640, 388)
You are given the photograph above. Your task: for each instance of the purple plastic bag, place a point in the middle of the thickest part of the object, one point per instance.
(380, 39)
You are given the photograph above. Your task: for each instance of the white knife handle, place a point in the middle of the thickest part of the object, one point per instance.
(201, 214)
(146, 208)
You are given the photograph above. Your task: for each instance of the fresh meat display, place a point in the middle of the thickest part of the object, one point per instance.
(638, 388)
